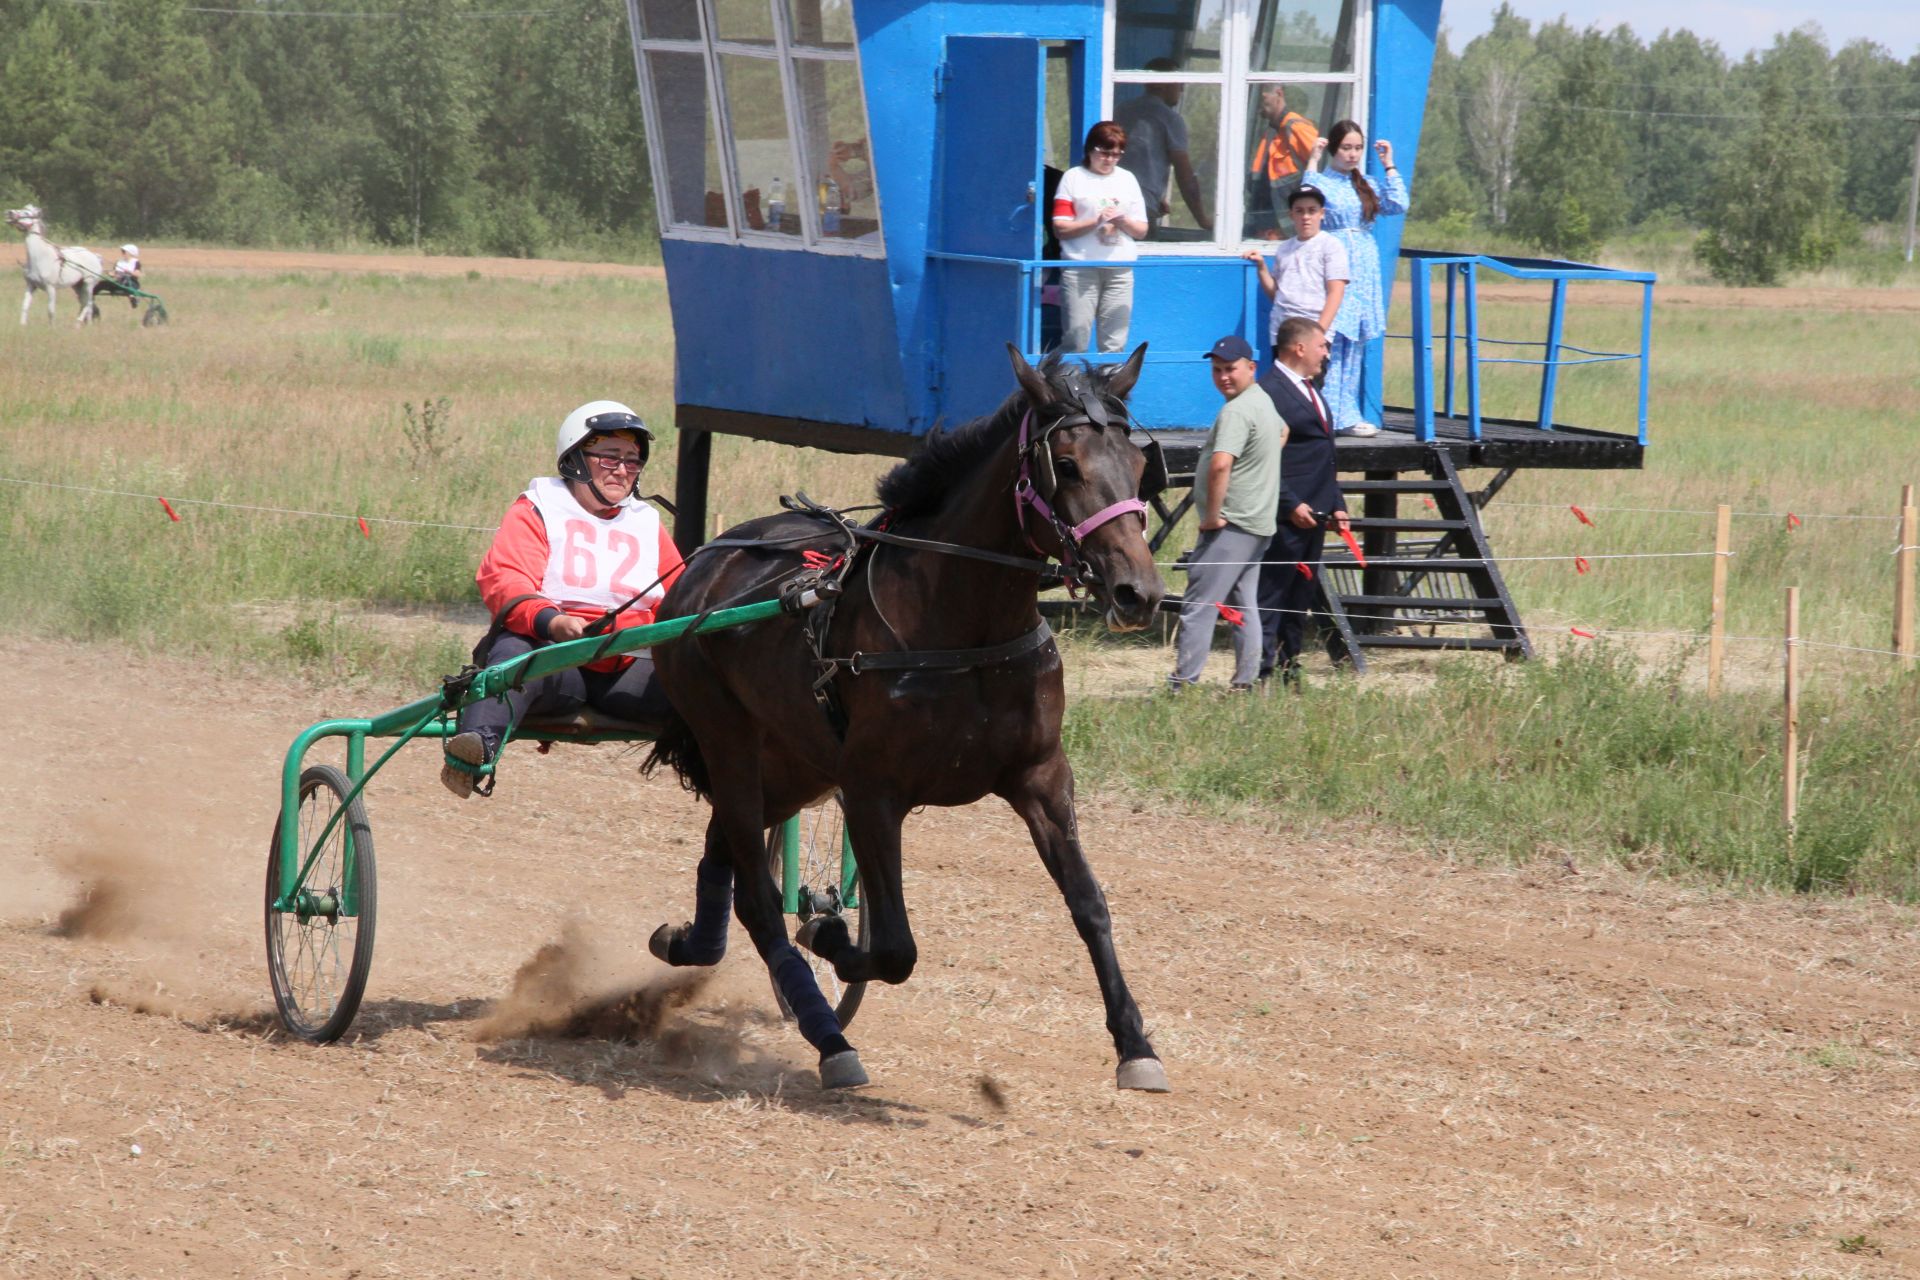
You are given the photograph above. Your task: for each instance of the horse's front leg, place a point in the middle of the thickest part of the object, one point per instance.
(26, 305)
(1043, 797)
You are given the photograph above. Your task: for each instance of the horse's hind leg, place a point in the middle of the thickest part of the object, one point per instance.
(1043, 797)
(703, 939)
(736, 829)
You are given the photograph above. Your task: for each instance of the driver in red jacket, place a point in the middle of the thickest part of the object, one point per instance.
(570, 548)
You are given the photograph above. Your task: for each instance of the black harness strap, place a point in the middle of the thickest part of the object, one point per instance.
(947, 659)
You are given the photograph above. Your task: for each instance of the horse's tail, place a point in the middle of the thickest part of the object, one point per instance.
(676, 747)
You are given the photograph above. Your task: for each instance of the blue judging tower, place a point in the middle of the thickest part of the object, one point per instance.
(852, 202)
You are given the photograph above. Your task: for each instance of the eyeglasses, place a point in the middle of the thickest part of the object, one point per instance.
(615, 462)
(1109, 151)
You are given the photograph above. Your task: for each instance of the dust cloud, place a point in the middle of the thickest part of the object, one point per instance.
(579, 989)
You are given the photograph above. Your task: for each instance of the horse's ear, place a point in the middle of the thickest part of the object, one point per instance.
(1127, 374)
(1039, 393)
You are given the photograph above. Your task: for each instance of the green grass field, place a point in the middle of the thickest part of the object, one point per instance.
(434, 400)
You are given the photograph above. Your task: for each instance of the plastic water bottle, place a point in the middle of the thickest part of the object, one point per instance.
(830, 208)
(776, 204)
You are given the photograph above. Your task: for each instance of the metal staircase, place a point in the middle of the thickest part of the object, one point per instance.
(1428, 581)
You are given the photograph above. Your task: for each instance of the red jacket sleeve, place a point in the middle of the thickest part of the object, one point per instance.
(516, 565)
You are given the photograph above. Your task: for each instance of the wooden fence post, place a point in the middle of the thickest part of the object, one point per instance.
(1903, 578)
(719, 523)
(1790, 774)
(1717, 632)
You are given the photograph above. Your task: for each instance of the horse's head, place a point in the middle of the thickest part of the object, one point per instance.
(26, 219)
(1089, 482)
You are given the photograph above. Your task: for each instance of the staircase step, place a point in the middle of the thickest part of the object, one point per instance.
(1421, 602)
(1405, 524)
(1442, 564)
(1437, 642)
(1395, 486)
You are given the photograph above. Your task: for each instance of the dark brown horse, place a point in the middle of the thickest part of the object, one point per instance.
(981, 715)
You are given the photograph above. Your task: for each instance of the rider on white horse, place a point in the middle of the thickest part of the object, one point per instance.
(52, 267)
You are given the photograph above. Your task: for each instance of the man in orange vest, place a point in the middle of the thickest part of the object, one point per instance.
(1279, 158)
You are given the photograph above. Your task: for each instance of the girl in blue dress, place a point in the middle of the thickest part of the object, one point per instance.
(1352, 205)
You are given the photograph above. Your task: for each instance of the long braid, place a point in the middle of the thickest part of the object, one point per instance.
(1369, 198)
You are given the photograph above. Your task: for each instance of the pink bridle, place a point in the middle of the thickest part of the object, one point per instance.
(1026, 497)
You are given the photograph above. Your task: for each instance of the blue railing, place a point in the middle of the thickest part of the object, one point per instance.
(1463, 274)
(1031, 269)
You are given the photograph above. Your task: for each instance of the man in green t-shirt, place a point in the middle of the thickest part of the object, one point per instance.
(1237, 492)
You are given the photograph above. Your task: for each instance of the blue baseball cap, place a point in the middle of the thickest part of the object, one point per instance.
(1231, 347)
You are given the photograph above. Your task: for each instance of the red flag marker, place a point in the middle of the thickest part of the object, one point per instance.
(1306, 571)
(1230, 613)
(1354, 546)
(171, 513)
(1581, 515)
(1793, 521)
(364, 531)
(1580, 564)
(1577, 631)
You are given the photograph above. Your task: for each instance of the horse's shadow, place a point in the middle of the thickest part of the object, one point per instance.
(376, 1018)
(619, 1046)
(704, 1056)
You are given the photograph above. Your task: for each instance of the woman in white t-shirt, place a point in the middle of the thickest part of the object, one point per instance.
(1098, 213)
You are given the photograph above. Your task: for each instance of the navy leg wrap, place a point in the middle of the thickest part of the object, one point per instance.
(810, 1009)
(712, 905)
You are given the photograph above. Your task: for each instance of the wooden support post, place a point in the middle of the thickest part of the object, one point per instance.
(690, 487)
(1717, 631)
(1913, 194)
(1790, 774)
(1903, 561)
(719, 523)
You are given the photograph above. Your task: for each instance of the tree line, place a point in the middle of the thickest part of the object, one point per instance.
(1564, 137)
(447, 124)
(463, 127)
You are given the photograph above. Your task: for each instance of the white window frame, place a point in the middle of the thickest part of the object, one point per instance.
(785, 53)
(1233, 80)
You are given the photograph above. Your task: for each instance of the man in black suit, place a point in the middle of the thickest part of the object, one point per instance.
(1308, 485)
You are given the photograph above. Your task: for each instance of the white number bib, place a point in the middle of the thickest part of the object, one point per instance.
(595, 562)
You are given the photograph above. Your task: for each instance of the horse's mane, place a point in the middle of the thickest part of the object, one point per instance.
(922, 484)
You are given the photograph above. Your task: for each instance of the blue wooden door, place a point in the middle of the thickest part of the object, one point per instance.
(992, 138)
(987, 203)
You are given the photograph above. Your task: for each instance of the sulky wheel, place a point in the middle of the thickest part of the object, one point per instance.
(822, 841)
(318, 955)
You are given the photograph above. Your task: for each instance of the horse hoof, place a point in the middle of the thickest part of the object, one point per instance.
(1144, 1074)
(823, 935)
(661, 943)
(842, 1070)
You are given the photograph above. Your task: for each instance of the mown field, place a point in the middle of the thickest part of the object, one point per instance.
(425, 404)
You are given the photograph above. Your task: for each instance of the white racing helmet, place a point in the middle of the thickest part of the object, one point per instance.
(596, 418)
(131, 250)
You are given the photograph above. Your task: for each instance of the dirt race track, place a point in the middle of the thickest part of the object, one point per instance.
(1385, 1064)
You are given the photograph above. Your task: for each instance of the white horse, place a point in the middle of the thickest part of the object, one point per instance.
(51, 267)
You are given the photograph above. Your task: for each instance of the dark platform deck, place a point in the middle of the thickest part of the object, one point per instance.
(1504, 442)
